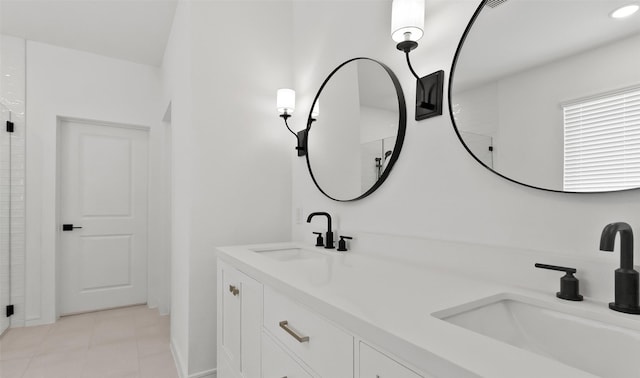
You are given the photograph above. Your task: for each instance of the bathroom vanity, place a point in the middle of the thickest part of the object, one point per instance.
(291, 310)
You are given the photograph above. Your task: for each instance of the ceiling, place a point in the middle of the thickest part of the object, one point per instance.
(133, 30)
(521, 34)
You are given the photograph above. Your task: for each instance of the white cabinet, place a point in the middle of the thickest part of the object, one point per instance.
(276, 363)
(327, 349)
(239, 322)
(374, 364)
(263, 333)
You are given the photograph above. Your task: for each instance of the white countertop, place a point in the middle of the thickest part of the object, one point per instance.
(390, 304)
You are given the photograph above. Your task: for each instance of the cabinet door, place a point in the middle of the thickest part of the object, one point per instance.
(239, 321)
(276, 363)
(229, 315)
(374, 364)
(250, 325)
(224, 368)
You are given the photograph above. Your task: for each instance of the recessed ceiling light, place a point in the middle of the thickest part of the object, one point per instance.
(625, 11)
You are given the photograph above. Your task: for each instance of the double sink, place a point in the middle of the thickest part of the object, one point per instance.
(603, 344)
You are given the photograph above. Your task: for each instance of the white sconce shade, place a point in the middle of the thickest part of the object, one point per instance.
(407, 20)
(315, 112)
(286, 101)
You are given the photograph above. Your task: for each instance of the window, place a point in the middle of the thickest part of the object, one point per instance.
(602, 142)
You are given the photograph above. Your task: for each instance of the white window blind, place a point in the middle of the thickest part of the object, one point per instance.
(602, 143)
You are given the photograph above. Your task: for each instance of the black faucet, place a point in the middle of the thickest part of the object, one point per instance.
(329, 237)
(626, 278)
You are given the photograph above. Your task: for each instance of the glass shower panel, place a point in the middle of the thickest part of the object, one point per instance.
(481, 145)
(5, 219)
(371, 163)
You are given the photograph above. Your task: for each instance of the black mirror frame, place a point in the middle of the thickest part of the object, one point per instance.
(455, 126)
(402, 127)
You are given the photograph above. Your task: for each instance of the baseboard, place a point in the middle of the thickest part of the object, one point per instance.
(212, 373)
(178, 361)
(31, 322)
(205, 374)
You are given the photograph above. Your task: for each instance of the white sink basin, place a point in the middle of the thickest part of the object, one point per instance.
(289, 254)
(587, 341)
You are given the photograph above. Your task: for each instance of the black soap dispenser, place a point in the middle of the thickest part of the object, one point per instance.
(342, 244)
(319, 240)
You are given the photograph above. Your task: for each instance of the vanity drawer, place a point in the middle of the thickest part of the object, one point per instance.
(276, 363)
(327, 349)
(374, 364)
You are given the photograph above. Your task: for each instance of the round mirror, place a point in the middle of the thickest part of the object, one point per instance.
(547, 93)
(355, 129)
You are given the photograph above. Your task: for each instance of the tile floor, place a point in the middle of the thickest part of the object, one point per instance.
(131, 342)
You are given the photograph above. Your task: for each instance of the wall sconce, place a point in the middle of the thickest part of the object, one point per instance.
(407, 27)
(286, 104)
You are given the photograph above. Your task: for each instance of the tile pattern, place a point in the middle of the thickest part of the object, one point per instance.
(126, 342)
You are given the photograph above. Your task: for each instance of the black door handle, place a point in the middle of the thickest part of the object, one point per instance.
(69, 227)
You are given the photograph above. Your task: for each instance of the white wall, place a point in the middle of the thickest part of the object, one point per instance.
(69, 83)
(232, 154)
(529, 139)
(436, 190)
(377, 124)
(176, 95)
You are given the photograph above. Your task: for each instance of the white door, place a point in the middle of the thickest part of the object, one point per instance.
(103, 185)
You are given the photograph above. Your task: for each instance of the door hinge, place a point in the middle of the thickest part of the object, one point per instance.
(9, 310)
(9, 126)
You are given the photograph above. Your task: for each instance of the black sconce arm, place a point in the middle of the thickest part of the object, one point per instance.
(301, 136)
(424, 103)
(285, 116)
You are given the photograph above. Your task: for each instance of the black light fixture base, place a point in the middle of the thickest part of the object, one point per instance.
(406, 46)
(430, 104)
(302, 142)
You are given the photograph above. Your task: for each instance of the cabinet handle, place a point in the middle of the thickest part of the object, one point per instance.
(301, 339)
(234, 290)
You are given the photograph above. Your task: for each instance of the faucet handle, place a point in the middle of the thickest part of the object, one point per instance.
(342, 244)
(569, 285)
(556, 267)
(319, 240)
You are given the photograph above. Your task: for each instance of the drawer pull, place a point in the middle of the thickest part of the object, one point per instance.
(234, 290)
(301, 339)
